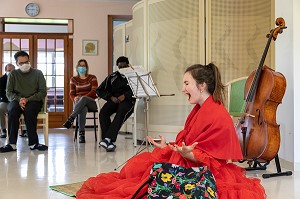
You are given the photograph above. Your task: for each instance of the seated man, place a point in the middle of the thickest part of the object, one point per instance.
(3, 99)
(26, 90)
(4, 102)
(119, 99)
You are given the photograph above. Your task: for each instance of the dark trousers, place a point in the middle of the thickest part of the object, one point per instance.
(30, 116)
(123, 110)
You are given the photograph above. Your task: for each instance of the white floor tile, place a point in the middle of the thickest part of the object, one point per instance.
(28, 174)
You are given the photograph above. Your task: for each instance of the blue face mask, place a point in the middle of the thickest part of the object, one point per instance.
(81, 70)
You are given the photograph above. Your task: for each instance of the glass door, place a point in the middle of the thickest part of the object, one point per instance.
(48, 53)
(50, 60)
(12, 44)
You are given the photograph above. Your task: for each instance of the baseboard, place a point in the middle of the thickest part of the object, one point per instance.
(286, 164)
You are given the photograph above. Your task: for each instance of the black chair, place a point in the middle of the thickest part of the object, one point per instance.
(95, 118)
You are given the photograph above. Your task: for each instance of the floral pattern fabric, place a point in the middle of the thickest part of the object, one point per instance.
(177, 182)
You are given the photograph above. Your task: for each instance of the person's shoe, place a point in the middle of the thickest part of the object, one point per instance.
(104, 143)
(7, 148)
(39, 147)
(81, 137)
(68, 123)
(24, 134)
(111, 147)
(3, 134)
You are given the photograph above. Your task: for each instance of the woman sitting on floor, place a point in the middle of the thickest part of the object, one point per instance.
(208, 139)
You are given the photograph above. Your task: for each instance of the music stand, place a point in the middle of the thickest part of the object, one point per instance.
(140, 82)
(142, 86)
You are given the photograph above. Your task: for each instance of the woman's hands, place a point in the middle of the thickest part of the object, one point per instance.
(161, 144)
(77, 98)
(185, 151)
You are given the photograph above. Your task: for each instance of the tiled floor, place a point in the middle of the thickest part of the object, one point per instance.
(28, 174)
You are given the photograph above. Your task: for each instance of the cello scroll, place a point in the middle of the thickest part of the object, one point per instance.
(281, 25)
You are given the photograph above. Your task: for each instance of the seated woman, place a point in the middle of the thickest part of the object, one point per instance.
(83, 94)
(208, 139)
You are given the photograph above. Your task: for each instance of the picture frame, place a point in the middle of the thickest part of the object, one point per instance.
(89, 47)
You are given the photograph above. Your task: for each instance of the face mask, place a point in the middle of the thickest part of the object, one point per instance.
(25, 67)
(81, 70)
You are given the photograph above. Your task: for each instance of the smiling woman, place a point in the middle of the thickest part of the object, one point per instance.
(208, 139)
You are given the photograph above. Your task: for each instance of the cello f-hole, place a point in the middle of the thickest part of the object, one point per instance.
(259, 118)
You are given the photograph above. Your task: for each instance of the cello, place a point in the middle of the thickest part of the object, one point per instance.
(257, 130)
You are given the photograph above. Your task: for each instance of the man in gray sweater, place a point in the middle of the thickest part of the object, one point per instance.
(25, 90)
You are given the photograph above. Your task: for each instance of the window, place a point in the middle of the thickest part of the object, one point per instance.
(36, 25)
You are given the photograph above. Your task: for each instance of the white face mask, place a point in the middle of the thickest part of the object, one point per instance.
(25, 68)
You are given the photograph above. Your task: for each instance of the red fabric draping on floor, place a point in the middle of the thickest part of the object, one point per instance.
(211, 126)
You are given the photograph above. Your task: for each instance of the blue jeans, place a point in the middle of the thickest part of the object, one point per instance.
(84, 105)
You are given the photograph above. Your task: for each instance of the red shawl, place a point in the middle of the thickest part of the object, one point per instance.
(211, 126)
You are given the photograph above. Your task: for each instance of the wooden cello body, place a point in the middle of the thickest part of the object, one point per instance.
(257, 130)
(263, 133)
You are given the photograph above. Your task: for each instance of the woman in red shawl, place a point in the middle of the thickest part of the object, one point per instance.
(208, 139)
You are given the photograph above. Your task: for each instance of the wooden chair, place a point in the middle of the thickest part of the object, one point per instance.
(42, 116)
(235, 96)
(131, 120)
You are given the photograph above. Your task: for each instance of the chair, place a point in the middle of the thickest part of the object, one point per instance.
(235, 96)
(94, 118)
(43, 115)
(131, 120)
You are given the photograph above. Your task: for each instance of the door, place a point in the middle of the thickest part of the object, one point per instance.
(48, 53)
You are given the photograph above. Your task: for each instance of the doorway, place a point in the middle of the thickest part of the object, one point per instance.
(48, 53)
(112, 21)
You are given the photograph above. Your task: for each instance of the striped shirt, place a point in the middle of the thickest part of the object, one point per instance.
(83, 87)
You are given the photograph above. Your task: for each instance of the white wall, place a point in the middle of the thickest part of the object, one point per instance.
(296, 71)
(287, 60)
(90, 22)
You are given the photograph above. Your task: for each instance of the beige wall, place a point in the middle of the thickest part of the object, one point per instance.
(90, 22)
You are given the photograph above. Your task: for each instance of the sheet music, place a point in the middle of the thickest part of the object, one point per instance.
(140, 81)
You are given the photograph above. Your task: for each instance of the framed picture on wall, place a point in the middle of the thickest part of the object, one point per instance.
(89, 47)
